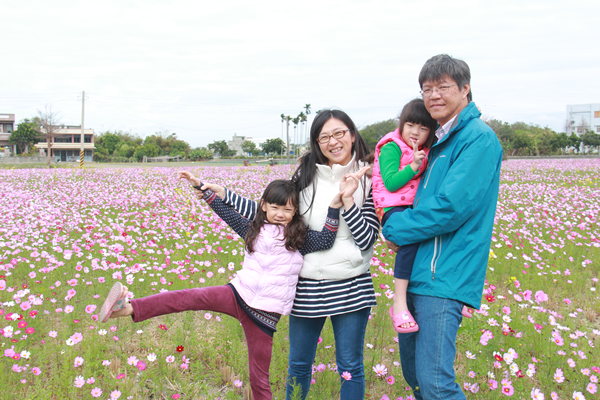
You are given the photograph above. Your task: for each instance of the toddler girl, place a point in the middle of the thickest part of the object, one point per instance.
(400, 159)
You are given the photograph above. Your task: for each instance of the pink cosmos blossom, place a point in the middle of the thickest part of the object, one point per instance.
(380, 370)
(558, 376)
(346, 375)
(79, 381)
(536, 394)
(237, 383)
(115, 394)
(90, 308)
(390, 380)
(96, 392)
(592, 388)
(36, 371)
(540, 296)
(78, 361)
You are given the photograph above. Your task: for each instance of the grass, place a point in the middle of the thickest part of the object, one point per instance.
(68, 229)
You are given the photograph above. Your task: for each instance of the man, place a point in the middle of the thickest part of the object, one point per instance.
(452, 218)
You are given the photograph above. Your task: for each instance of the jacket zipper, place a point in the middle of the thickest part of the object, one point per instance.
(437, 252)
(429, 168)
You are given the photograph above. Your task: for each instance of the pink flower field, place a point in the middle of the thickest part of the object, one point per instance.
(67, 235)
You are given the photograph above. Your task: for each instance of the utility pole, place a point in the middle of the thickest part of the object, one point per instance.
(82, 152)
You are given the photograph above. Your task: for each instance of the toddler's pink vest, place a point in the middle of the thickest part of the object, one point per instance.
(404, 196)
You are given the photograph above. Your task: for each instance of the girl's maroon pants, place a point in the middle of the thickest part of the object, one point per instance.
(218, 299)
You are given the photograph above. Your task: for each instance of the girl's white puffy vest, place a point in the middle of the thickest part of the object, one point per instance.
(270, 274)
(344, 260)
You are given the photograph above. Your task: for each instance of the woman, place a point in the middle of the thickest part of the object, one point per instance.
(335, 283)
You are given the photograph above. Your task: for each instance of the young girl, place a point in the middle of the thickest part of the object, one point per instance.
(400, 159)
(276, 241)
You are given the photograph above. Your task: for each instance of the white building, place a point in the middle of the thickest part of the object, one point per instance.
(236, 143)
(7, 125)
(66, 144)
(581, 117)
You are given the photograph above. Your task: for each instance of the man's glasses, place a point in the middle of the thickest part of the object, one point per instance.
(439, 90)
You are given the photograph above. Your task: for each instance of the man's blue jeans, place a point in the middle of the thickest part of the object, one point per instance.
(427, 355)
(349, 331)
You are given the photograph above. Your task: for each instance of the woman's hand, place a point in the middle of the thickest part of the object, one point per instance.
(349, 184)
(219, 190)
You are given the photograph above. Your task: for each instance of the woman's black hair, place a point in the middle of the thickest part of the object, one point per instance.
(415, 112)
(307, 168)
(279, 192)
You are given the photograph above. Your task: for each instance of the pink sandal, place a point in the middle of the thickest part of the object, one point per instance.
(401, 318)
(467, 312)
(113, 302)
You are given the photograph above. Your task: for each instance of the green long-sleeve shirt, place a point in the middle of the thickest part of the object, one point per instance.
(389, 165)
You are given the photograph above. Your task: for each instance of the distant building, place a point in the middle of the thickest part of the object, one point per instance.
(581, 117)
(66, 144)
(236, 143)
(7, 125)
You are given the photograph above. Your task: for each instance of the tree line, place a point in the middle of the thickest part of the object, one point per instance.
(517, 139)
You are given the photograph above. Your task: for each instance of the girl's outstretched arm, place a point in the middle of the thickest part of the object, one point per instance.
(237, 222)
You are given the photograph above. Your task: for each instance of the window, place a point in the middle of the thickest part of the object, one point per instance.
(596, 114)
(580, 129)
(86, 138)
(62, 139)
(597, 128)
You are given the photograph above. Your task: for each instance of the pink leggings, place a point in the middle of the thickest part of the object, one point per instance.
(219, 299)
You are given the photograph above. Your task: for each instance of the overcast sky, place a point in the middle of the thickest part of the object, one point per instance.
(207, 69)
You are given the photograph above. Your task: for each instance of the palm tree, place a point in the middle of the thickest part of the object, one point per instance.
(282, 124)
(295, 121)
(307, 110)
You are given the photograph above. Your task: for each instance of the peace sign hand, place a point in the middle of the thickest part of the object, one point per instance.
(418, 156)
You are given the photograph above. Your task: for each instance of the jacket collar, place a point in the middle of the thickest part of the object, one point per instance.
(337, 171)
(467, 114)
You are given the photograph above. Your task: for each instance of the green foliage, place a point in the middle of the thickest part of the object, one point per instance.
(220, 147)
(200, 153)
(250, 148)
(374, 132)
(589, 138)
(168, 144)
(273, 146)
(148, 150)
(25, 135)
(520, 138)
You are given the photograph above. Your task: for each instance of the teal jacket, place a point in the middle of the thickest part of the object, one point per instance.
(453, 214)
